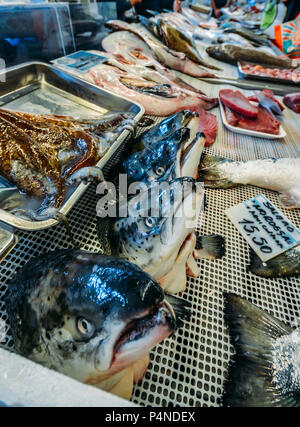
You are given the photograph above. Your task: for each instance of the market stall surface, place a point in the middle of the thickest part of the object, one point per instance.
(189, 369)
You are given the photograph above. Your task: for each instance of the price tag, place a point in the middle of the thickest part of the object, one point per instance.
(80, 61)
(265, 228)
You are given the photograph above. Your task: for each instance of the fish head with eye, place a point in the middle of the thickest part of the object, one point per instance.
(86, 315)
(158, 162)
(160, 218)
(166, 128)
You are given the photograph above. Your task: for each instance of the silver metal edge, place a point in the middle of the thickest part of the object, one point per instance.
(27, 225)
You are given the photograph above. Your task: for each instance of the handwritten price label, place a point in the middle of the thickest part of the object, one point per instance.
(265, 228)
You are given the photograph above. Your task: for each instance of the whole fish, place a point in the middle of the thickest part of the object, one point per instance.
(157, 99)
(265, 370)
(286, 264)
(157, 232)
(233, 54)
(282, 175)
(90, 316)
(179, 41)
(172, 157)
(169, 58)
(144, 68)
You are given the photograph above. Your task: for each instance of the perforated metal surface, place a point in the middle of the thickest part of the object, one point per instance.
(189, 369)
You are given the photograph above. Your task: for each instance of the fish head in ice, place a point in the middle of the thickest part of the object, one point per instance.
(167, 127)
(160, 218)
(157, 162)
(86, 315)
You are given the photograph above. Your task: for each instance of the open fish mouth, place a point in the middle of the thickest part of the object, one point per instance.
(141, 334)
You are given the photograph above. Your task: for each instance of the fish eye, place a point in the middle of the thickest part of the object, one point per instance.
(85, 327)
(160, 171)
(149, 222)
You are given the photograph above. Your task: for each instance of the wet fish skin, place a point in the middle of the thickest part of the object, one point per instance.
(177, 40)
(166, 127)
(264, 371)
(70, 310)
(167, 57)
(232, 54)
(285, 265)
(152, 235)
(281, 175)
(157, 162)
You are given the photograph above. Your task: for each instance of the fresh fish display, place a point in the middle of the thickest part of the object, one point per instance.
(282, 175)
(265, 370)
(292, 101)
(286, 264)
(174, 156)
(254, 38)
(237, 102)
(167, 57)
(130, 53)
(40, 154)
(165, 128)
(179, 41)
(90, 316)
(233, 54)
(159, 236)
(157, 99)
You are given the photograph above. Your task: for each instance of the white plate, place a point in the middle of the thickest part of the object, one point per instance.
(236, 129)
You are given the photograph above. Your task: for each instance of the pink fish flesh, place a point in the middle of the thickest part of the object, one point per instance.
(160, 100)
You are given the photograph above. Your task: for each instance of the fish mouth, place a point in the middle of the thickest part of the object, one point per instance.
(141, 334)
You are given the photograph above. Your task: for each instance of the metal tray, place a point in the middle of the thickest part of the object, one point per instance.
(40, 88)
(264, 78)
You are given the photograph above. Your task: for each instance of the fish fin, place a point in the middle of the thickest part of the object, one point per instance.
(250, 379)
(286, 264)
(291, 199)
(181, 307)
(211, 246)
(209, 173)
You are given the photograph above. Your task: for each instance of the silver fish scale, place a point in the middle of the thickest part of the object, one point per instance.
(189, 369)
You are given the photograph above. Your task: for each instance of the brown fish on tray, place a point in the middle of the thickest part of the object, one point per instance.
(43, 154)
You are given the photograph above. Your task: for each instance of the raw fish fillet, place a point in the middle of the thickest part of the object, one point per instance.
(237, 102)
(157, 99)
(292, 101)
(208, 124)
(264, 122)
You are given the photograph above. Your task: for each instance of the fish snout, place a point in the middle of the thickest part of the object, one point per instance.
(151, 293)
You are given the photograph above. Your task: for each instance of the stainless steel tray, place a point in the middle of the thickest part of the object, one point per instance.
(37, 87)
(264, 78)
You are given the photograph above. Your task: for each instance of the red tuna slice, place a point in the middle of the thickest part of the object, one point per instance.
(238, 103)
(265, 122)
(292, 101)
(208, 125)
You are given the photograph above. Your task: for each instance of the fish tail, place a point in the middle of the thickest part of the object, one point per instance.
(253, 333)
(211, 175)
(181, 307)
(286, 264)
(291, 199)
(210, 247)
